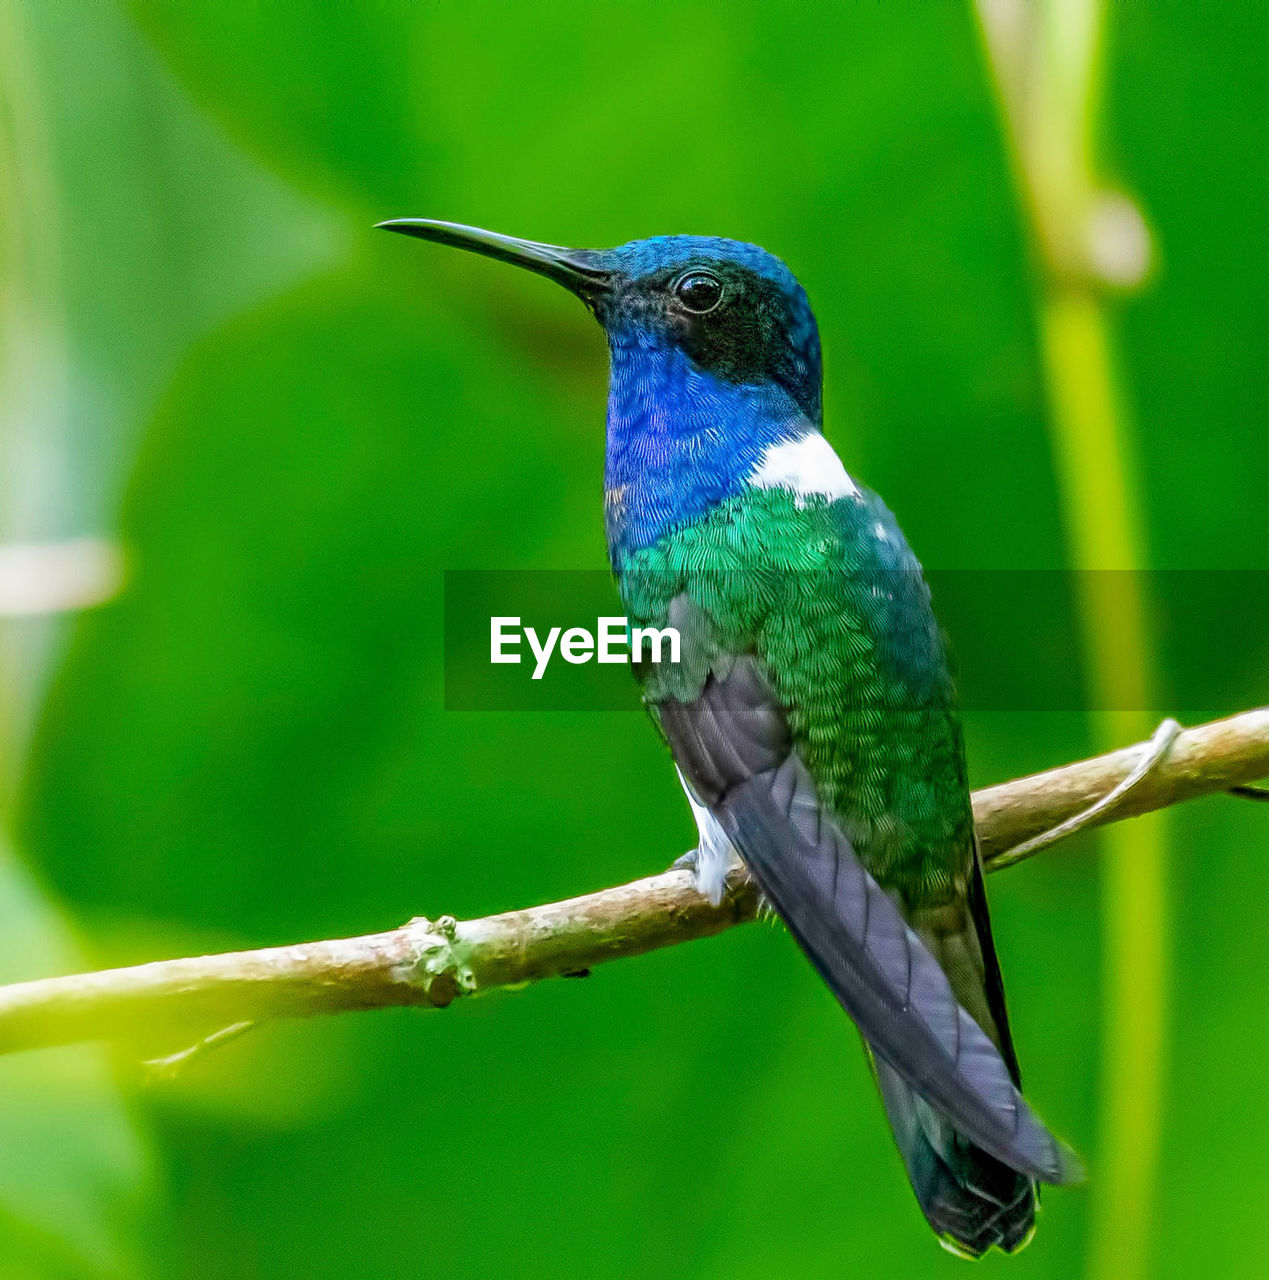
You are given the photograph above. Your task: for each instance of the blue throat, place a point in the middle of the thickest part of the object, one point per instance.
(680, 440)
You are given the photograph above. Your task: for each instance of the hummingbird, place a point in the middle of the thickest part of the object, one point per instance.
(811, 715)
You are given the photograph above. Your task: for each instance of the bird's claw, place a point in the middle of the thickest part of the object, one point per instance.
(688, 861)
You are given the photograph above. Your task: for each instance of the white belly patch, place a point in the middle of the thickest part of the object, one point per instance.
(807, 466)
(715, 854)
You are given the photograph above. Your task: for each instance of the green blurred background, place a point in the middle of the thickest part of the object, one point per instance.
(293, 425)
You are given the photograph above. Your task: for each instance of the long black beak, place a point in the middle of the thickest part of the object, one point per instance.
(583, 271)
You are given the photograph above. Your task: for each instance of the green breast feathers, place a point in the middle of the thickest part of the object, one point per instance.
(831, 601)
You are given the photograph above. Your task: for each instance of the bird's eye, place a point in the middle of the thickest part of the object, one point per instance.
(699, 292)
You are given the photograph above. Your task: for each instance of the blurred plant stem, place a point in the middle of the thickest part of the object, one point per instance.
(67, 1216)
(32, 357)
(1046, 57)
(42, 573)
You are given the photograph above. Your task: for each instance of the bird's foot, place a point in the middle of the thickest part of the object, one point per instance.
(687, 861)
(710, 867)
(735, 872)
(1152, 753)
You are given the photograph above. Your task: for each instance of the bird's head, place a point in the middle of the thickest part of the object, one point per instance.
(734, 310)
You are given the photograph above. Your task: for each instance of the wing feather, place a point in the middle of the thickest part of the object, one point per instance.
(734, 746)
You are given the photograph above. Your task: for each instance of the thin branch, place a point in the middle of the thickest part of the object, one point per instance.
(430, 963)
(1156, 750)
(163, 1069)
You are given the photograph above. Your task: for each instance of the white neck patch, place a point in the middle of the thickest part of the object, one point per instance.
(807, 466)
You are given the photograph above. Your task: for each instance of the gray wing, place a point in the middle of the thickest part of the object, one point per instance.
(733, 744)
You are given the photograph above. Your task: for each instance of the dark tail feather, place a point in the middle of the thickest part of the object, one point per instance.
(971, 1199)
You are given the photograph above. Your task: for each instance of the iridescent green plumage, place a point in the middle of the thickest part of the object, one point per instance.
(832, 603)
